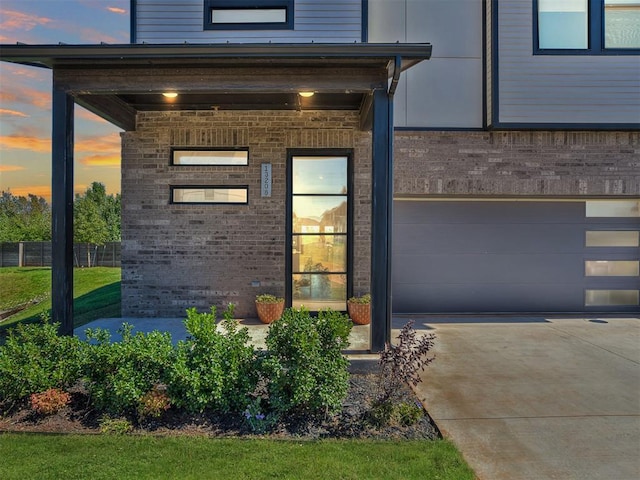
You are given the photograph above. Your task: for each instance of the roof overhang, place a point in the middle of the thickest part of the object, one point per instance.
(116, 81)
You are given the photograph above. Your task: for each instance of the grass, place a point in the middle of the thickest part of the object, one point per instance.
(96, 293)
(142, 457)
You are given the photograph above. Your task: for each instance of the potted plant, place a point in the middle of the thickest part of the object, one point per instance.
(359, 309)
(269, 307)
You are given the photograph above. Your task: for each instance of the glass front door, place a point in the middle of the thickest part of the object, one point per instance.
(319, 219)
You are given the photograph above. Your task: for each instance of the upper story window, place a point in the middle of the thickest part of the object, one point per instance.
(589, 27)
(248, 14)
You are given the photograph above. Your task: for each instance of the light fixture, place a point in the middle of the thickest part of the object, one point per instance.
(306, 94)
(170, 94)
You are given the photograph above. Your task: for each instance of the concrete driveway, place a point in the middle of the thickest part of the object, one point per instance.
(536, 398)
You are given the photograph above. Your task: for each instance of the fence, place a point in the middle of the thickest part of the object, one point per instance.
(38, 254)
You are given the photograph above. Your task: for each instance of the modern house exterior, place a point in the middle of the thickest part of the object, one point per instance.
(447, 156)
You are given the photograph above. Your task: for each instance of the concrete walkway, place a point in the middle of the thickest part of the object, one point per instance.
(538, 398)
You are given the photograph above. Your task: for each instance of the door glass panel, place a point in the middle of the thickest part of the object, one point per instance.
(319, 214)
(619, 238)
(319, 236)
(326, 176)
(611, 297)
(319, 253)
(316, 291)
(611, 268)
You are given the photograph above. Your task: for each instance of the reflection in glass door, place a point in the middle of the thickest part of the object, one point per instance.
(319, 221)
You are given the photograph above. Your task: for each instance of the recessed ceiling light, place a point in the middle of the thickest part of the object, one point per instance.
(170, 94)
(306, 94)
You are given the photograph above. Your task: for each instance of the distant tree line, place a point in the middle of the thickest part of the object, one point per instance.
(96, 217)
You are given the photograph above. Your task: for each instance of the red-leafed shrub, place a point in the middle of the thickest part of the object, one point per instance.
(50, 401)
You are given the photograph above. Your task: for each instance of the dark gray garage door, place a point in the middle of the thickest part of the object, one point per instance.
(512, 256)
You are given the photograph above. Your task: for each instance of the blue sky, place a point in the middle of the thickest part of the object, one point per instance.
(25, 95)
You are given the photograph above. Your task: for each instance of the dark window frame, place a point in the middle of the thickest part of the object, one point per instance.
(287, 5)
(207, 149)
(208, 187)
(595, 38)
(318, 152)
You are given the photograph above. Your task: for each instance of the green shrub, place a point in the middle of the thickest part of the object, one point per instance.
(118, 374)
(115, 426)
(213, 369)
(34, 359)
(305, 370)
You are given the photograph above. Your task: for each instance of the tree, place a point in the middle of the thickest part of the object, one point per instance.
(24, 218)
(96, 217)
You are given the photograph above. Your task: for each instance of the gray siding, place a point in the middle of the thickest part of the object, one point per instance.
(557, 88)
(178, 21)
(446, 91)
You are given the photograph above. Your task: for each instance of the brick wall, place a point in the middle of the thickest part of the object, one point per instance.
(178, 256)
(517, 163)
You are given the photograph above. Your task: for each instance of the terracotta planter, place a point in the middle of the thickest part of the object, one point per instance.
(360, 313)
(269, 312)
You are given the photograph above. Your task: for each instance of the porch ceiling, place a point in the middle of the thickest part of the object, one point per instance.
(117, 81)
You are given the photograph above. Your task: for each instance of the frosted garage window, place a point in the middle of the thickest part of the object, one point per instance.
(563, 24)
(213, 195)
(613, 208)
(611, 268)
(603, 298)
(210, 157)
(617, 238)
(237, 15)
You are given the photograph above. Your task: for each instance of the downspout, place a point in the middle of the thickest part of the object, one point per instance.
(395, 79)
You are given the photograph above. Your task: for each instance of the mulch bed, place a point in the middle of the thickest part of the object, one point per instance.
(350, 423)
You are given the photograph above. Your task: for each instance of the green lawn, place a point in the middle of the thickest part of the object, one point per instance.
(96, 293)
(141, 457)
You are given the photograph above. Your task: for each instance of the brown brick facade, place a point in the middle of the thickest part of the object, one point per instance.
(518, 163)
(178, 256)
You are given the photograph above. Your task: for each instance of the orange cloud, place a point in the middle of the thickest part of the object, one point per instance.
(15, 113)
(116, 10)
(26, 142)
(107, 144)
(39, 190)
(106, 160)
(10, 168)
(90, 35)
(20, 21)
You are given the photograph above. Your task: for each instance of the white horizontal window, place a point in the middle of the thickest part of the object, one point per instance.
(603, 298)
(611, 268)
(210, 157)
(200, 195)
(613, 208)
(612, 238)
(248, 14)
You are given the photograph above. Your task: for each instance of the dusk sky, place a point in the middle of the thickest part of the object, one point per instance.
(25, 95)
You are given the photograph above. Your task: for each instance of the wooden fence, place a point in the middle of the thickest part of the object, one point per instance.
(38, 254)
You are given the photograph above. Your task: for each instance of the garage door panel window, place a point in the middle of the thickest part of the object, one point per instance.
(611, 268)
(594, 298)
(609, 238)
(613, 208)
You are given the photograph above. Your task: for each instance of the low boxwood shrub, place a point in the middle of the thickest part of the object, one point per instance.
(118, 374)
(214, 369)
(35, 358)
(305, 370)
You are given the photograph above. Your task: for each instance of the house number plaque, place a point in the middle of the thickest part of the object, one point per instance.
(266, 180)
